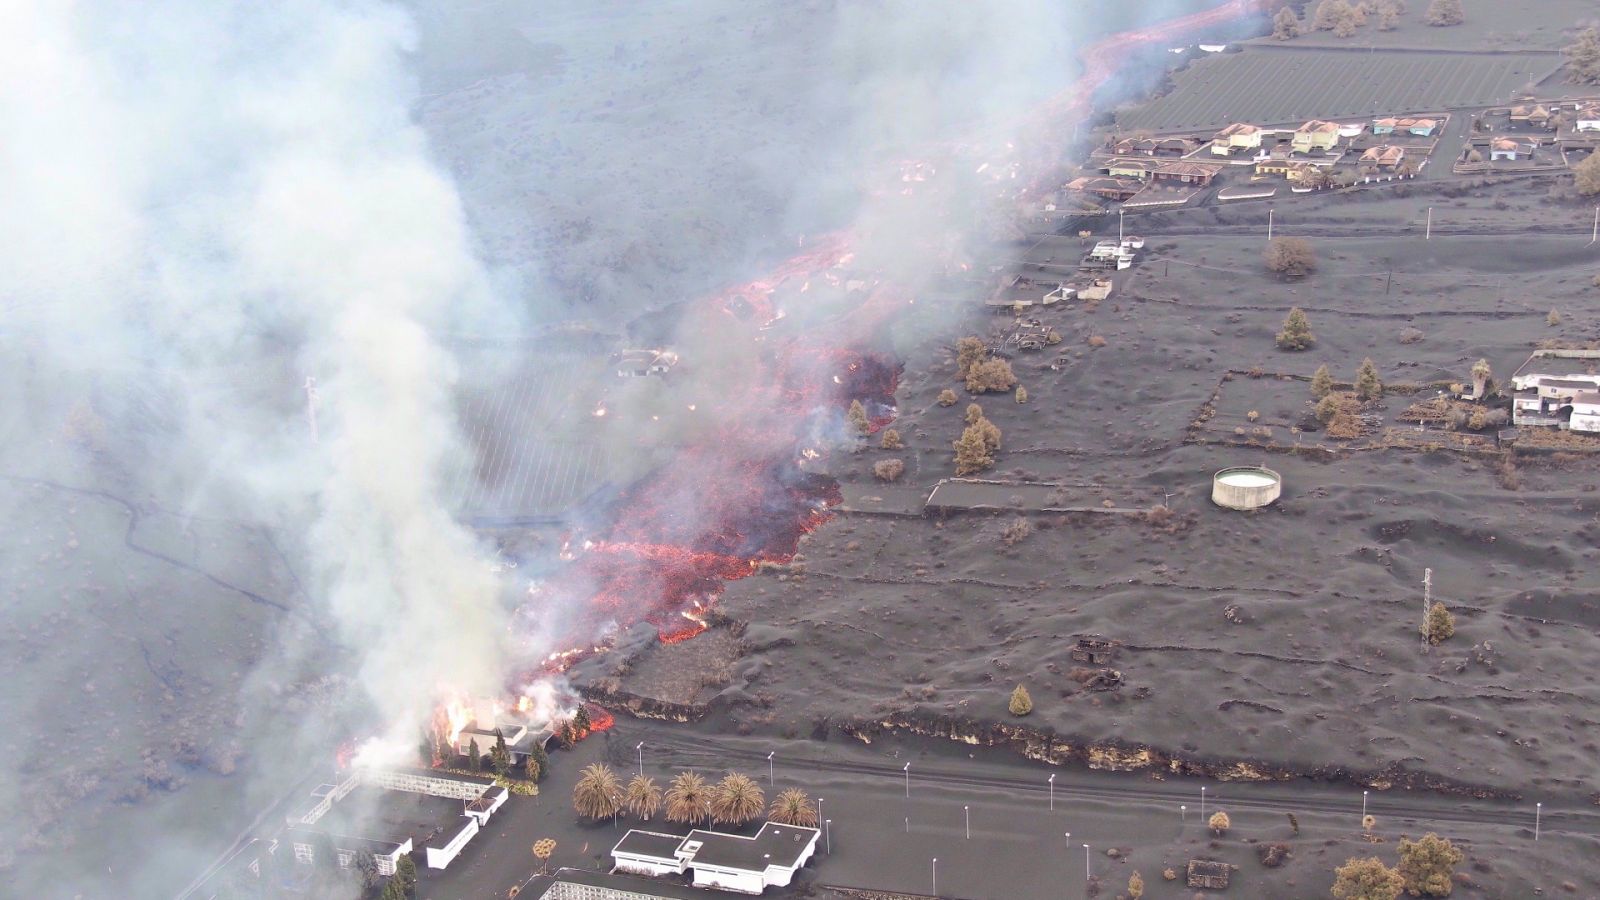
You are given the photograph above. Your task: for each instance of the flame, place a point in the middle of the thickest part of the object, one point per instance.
(457, 714)
(600, 410)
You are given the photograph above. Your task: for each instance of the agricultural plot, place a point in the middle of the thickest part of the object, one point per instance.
(1273, 86)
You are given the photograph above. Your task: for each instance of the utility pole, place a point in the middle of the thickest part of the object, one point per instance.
(1269, 224)
(1428, 235)
(311, 406)
(1427, 604)
(1596, 235)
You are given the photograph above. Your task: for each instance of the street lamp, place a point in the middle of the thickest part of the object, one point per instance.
(1363, 806)
(936, 876)
(1052, 791)
(769, 769)
(640, 750)
(968, 811)
(1183, 814)
(908, 780)
(827, 834)
(1538, 810)
(1202, 804)
(1085, 863)
(819, 807)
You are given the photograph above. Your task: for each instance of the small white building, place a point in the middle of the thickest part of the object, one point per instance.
(642, 363)
(1559, 388)
(1587, 118)
(715, 859)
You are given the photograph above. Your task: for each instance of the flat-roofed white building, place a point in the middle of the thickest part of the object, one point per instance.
(715, 859)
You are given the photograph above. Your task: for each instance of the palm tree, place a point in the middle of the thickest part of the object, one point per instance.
(737, 800)
(643, 797)
(793, 807)
(597, 794)
(687, 798)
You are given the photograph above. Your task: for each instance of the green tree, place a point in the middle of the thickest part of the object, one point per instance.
(537, 764)
(366, 867)
(405, 871)
(394, 890)
(1366, 879)
(1021, 703)
(1446, 12)
(1296, 333)
(1428, 865)
(597, 795)
(858, 417)
(1440, 625)
(474, 760)
(1285, 25)
(580, 721)
(969, 352)
(1583, 57)
(1368, 387)
(1321, 383)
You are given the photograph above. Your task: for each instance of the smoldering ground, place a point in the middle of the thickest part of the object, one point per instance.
(207, 203)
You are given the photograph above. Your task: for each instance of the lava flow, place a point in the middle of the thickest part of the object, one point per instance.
(741, 495)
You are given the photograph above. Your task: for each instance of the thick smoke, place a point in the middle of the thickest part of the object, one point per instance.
(204, 205)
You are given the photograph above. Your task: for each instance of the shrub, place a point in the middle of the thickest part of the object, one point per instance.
(1410, 335)
(1427, 865)
(1022, 394)
(1252, 415)
(1272, 855)
(1285, 25)
(1368, 387)
(947, 397)
(1054, 337)
(969, 352)
(858, 417)
(1021, 704)
(1296, 333)
(991, 375)
(1554, 318)
(888, 469)
(1440, 625)
(1219, 823)
(1369, 822)
(974, 413)
(1344, 426)
(1328, 408)
(1321, 383)
(1096, 341)
(1169, 873)
(1366, 879)
(1015, 532)
(1445, 12)
(1291, 256)
(990, 432)
(891, 440)
(1135, 886)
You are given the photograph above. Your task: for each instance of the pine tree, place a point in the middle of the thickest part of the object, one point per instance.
(1021, 703)
(974, 413)
(405, 871)
(580, 721)
(1428, 865)
(393, 891)
(972, 452)
(858, 417)
(1368, 387)
(1135, 886)
(1440, 625)
(891, 440)
(474, 761)
(538, 764)
(1586, 175)
(969, 352)
(1321, 383)
(1296, 333)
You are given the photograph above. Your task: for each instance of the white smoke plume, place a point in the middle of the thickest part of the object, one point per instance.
(204, 203)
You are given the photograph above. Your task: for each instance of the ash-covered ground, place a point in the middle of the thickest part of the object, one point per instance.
(1283, 641)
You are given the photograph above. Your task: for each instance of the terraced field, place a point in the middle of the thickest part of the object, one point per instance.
(1271, 86)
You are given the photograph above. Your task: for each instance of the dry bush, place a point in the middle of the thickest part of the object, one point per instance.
(947, 397)
(1410, 335)
(888, 469)
(1096, 341)
(1016, 532)
(991, 375)
(1291, 256)
(1506, 474)
(891, 440)
(969, 352)
(1252, 415)
(1272, 855)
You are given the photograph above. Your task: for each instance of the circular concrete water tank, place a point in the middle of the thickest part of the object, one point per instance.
(1246, 487)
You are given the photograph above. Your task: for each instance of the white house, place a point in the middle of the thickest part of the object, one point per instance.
(640, 363)
(748, 865)
(1560, 388)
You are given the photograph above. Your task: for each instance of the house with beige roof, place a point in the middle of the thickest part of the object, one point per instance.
(1315, 135)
